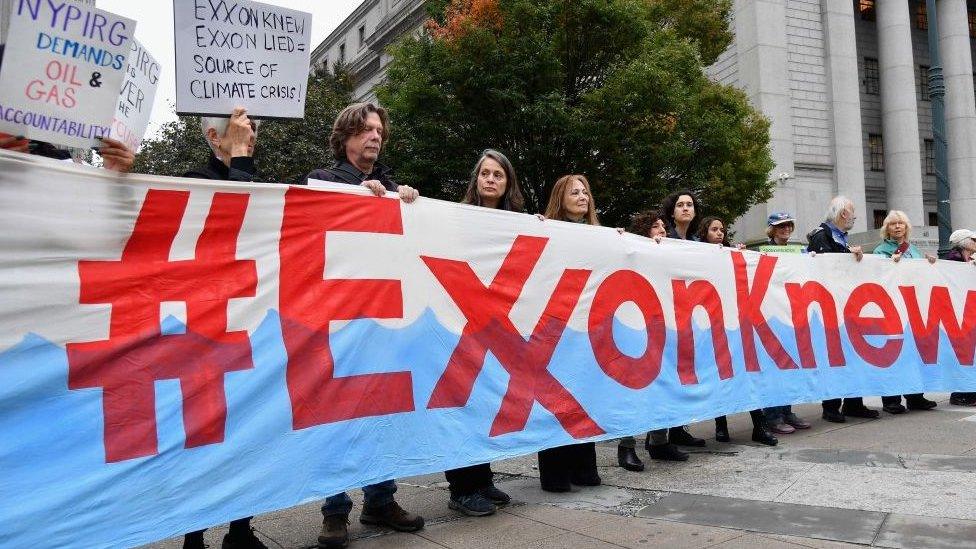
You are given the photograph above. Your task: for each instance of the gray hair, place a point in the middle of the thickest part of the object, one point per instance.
(837, 205)
(219, 124)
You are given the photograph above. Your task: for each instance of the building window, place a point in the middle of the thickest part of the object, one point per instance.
(342, 53)
(865, 8)
(922, 83)
(933, 219)
(929, 157)
(879, 217)
(922, 16)
(362, 35)
(872, 80)
(876, 150)
(972, 24)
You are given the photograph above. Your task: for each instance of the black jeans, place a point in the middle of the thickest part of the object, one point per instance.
(469, 480)
(563, 465)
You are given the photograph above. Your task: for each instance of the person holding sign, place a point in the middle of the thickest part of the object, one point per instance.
(574, 464)
(831, 237)
(493, 185)
(356, 141)
(231, 159)
(895, 232)
(779, 228)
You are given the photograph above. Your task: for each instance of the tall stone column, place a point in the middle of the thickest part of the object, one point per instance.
(845, 96)
(761, 49)
(899, 108)
(960, 112)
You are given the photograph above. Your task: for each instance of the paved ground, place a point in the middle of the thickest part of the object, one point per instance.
(904, 481)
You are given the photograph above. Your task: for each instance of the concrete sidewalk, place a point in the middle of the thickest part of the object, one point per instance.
(905, 481)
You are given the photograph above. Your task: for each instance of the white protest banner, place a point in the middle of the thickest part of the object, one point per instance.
(241, 54)
(136, 98)
(62, 69)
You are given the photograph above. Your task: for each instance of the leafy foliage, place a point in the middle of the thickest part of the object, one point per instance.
(613, 89)
(286, 150)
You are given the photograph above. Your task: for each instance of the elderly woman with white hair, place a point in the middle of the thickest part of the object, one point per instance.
(895, 233)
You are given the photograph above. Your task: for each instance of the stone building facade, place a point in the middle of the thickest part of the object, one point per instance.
(844, 83)
(359, 41)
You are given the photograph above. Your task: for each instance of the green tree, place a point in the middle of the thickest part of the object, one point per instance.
(613, 89)
(286, 149)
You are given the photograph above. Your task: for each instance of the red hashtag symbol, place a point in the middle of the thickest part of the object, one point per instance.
(137, 354)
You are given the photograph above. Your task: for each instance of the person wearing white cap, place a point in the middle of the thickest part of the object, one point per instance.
(963, 242)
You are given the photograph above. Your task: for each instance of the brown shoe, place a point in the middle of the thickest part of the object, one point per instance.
(393, 516)
(335, 532)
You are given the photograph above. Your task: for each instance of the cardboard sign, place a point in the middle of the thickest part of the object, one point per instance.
(136, 98)
(241, 54)
(62, 70)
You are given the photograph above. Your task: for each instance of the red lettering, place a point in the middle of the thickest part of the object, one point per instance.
(686, 297)
(136, 354)
(309, 303)
(801, 298)
(889, 324)
(488, 328)
(619, 288)
(962, 335)
(751, 318)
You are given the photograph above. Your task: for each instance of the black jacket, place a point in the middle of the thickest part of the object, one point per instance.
(344, 172)
(241, 169)
(821, 240)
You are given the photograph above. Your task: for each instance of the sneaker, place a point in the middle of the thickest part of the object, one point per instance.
(245, 540)
(834, 417)
(894, 409)
(782, 428)
(681, 437)
(473, 505)
(393, 516)
(862, 411)
(666, 452)
(335, 532)
(795, 421)
(194, 540)
(496, 496)
(962, 399)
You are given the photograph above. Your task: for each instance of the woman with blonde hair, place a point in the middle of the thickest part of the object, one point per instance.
(575, 464)
(895, 232)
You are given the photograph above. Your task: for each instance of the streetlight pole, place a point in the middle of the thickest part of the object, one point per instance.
(937, 96)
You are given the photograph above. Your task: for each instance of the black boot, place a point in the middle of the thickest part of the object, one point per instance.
(666, 452)
(627, 458)
(760, 433)
(554, 472)
(681, 437)
(722, 429)
(919, 402)
(584, 472)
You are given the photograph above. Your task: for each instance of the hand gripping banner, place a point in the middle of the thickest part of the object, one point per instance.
(175, 354)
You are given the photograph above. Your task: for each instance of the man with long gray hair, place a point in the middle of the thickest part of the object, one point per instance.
(831, 237)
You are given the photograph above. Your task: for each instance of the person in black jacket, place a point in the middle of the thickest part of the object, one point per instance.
(831, 237)
(356, 141)
(231, 159)
(493, 185)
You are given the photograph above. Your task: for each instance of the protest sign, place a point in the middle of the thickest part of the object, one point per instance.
(63, 66)
(136, 98)
(241, 54)
(175, 353)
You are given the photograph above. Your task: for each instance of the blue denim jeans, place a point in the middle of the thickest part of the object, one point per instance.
(376, 495)
(776, 414)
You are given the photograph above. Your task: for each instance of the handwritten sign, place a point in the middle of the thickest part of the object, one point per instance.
(241, 53)
(62, 71)
(136, 98)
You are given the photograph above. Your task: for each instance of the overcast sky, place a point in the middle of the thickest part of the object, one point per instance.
(154, 29)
